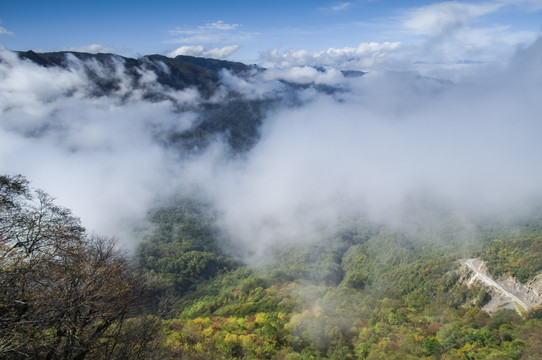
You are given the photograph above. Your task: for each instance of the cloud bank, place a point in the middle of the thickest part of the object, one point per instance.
(97, 155)
(361, 145)
(474, 147)
(441, 19)
(201, 51)
(450, 39)
(93, 49)
(210, 33)
(366, 55)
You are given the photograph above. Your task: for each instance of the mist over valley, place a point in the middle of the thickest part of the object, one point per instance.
(279, 154)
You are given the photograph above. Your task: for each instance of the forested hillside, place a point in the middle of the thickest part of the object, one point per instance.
(364, 291)
(361, 291)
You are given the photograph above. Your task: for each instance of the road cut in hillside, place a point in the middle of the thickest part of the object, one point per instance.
(489, 281)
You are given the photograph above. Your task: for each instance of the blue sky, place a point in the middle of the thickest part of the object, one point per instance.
(281, 33)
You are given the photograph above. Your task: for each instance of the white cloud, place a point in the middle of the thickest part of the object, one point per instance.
(453, 39)
(200, 50)
(215, 32)
(253, 87)
(93, 49)
(365, 55)
(338, 7)
(442, 18)
(475, 146)
(4, 31)
(97, 155)
(305, 75)
(483, 46)
(220, 25)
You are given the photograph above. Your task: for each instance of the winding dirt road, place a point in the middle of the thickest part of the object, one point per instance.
(489, 281)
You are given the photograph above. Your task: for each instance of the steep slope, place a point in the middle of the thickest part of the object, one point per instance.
(505, 292)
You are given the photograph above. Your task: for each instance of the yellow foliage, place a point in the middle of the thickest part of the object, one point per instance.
(248, 339)
(241, 322)
(230, 321)
(231, 338)
(199, 348)
(297, 319)
(173, 341)
(208, 332)
(467, 348)
(201, 321)
(260, 318)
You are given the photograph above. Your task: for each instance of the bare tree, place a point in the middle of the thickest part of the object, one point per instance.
(63, 294)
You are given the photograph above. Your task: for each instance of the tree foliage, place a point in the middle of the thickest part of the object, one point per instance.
(517, 256)
(182, 248)
(364, 291)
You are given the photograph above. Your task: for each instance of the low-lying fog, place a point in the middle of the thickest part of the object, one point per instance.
(366, 147)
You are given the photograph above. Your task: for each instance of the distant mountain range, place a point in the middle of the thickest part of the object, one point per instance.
(234, 117)
(177, 73)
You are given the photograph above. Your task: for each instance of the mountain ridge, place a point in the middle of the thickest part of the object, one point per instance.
(179, 73)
